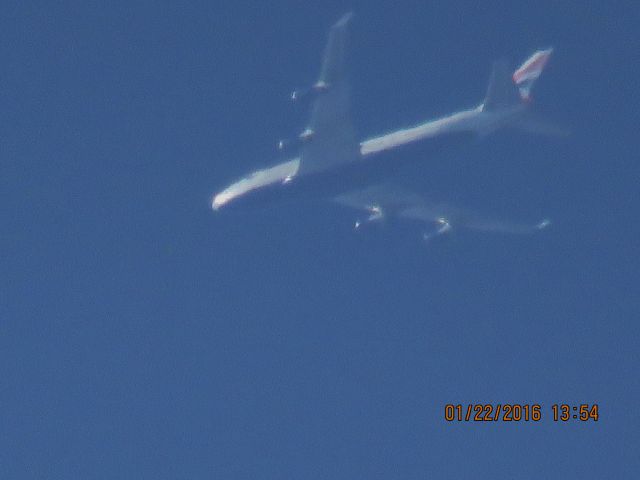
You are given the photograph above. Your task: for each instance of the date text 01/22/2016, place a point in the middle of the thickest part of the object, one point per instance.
(507, 412)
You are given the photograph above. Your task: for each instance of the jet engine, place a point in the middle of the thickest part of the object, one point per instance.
(317, 88)
(306, 136)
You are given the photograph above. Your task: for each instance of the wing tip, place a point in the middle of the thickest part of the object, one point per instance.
(543, 224)
(344, 20)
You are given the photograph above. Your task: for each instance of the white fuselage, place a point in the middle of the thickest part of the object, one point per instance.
(475, 120)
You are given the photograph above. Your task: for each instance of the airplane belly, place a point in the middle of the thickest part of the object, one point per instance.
(366, 171)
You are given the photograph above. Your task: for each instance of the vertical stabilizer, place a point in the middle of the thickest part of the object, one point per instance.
(502, 91)
(527, 74)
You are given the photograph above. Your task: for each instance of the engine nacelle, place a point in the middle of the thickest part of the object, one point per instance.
(376, 215)
(306, 136)
(283, 144)
(317, 88)
(320, 87)
(444, 226)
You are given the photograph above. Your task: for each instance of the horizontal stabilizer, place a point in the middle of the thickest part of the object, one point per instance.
(531, 123)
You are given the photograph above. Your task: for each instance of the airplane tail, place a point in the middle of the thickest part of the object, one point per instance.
(507, 89)
(502, 91)
(527, 74)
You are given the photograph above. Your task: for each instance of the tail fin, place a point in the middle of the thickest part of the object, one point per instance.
(525, 77)
(506, 88)
(527, 74)
(502, 91)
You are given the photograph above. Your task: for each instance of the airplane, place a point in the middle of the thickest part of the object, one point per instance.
(333, 165)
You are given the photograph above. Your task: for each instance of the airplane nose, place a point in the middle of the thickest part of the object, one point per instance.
(217, 202)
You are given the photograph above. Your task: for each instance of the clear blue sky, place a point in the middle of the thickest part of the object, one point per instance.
(143, 336)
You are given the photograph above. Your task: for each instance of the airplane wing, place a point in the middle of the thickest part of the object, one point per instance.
(384, 201)
(330, 138)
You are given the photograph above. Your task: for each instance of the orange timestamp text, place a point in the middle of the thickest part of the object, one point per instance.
(517, 412)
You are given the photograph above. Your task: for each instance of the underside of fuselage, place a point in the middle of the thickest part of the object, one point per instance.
(354, 175)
